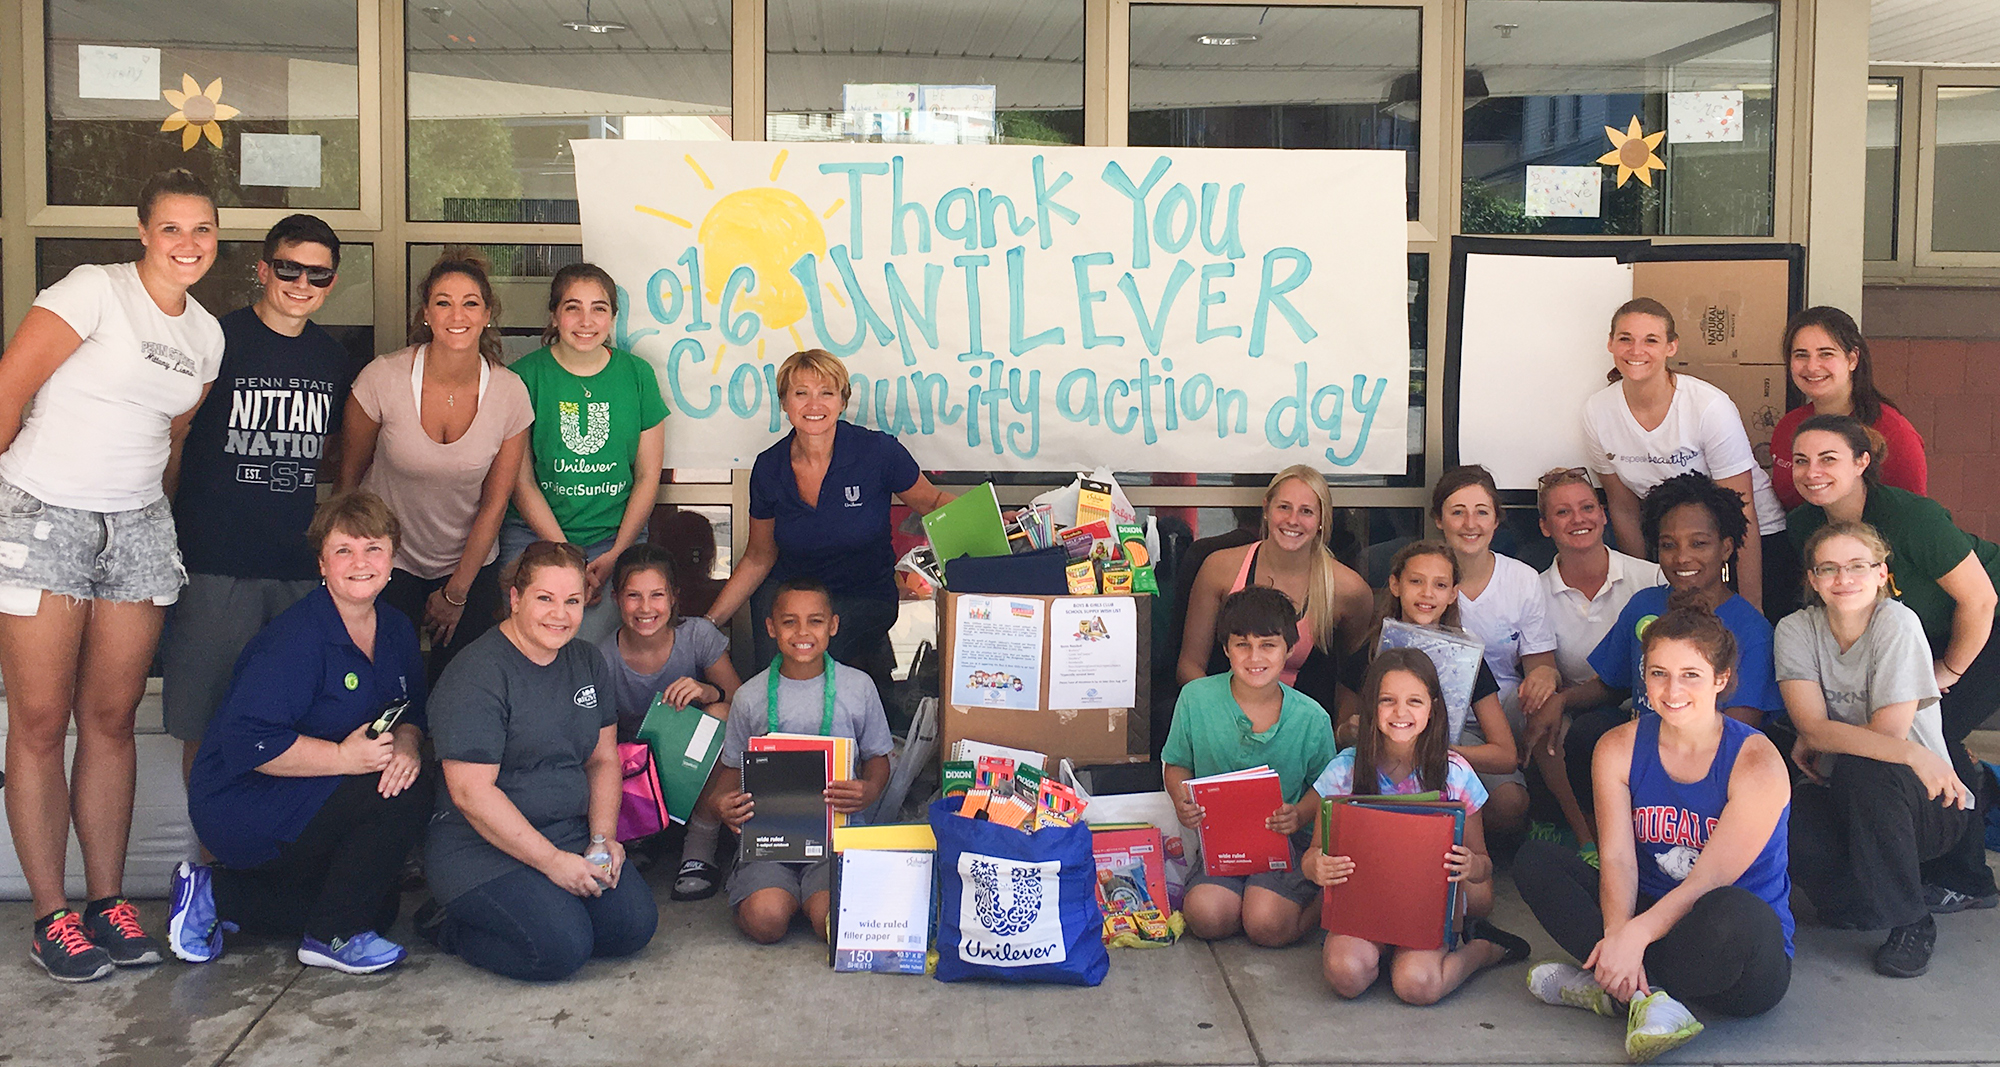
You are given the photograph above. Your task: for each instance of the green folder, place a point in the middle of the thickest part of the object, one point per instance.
(968, 526)
(685, 743)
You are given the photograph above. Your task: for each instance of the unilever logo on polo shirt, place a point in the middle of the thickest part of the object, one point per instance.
(1009, 915)
(586, 697)
(853, 493)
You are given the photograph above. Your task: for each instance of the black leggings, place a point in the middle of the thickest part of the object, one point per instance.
(1856, 842)
(1972, 700)
(342, 875)
(483, 607)
(1726, 955)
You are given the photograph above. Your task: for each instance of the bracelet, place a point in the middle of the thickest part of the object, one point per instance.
(445, 592)
(1947, 666)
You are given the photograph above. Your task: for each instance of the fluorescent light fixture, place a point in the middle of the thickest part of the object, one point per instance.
(587, 24)
(1225, 40)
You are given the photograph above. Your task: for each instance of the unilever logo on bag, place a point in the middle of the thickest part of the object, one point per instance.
(1011, 915)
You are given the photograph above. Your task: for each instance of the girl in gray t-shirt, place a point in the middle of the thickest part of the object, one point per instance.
(656, 654)
(1881, 795)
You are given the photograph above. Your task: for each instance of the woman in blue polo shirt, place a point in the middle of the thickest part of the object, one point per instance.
(309, 817)
(819, 508)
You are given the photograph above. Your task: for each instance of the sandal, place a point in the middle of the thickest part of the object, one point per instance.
(696, 880)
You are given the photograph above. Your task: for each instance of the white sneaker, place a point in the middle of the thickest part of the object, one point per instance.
(1560, 983)
(1658, 1023)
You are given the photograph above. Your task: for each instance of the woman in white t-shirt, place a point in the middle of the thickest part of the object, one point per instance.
(438, 430)
(1499, 602)
(96, 392)
(1884, 798)
(1653, 423)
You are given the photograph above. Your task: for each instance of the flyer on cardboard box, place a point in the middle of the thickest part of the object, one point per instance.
(996, 652)
(1093, 652)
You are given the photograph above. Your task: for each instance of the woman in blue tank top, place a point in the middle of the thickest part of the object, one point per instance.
(1692, 905)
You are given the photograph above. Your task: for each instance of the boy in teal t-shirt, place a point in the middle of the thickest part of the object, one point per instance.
(1243, 719)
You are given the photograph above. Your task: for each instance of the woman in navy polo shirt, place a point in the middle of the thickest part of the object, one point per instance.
(308, 815)
(819, 508)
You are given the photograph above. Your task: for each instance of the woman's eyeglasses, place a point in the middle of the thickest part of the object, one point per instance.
(1853, 569)
(288, 271)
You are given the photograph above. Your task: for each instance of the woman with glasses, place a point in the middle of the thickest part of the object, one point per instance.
(1653, 423)
(1830, 364)
(1940, 572)
(1882, 795)
(96, 391)
(437, 430)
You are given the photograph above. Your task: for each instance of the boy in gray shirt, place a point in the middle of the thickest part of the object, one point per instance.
(765, 895)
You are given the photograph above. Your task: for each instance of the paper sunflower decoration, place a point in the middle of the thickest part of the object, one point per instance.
(199, 112)
(1632, 151)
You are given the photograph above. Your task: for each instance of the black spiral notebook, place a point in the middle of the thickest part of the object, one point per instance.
(788, 817)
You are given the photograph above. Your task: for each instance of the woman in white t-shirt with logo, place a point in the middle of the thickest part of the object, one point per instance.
(1653, 423)
(96, 392)
(1500, 602)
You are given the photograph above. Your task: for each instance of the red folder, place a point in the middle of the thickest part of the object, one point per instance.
(1131, 868)
(1399, 893)
(1234, 839)
(839, 760)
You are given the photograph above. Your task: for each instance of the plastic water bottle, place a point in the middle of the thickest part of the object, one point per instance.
(599, 853)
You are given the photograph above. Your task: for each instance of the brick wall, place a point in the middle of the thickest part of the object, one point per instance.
(1937, 353)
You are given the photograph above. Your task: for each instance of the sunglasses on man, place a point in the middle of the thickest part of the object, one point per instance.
(288, 271)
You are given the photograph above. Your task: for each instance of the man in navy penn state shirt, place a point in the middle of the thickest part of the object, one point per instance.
(249, 472)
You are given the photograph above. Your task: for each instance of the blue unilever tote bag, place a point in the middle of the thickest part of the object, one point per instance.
(1016, 907)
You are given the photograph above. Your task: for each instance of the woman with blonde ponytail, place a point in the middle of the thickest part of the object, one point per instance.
(1335, 604)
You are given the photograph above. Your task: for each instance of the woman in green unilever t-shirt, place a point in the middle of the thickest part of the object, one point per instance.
(599, 437)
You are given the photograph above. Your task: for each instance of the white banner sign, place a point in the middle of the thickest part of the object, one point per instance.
(1019, 308)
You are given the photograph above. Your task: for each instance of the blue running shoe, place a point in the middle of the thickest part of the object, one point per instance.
(192, 930)
(364, 953)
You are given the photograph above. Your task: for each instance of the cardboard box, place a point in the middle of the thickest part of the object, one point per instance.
(1759, 393)
(1093, 735)
(1726, 311)
(1084, 735)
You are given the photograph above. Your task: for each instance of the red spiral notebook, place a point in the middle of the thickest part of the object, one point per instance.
(1399, 893)
(1234, 839)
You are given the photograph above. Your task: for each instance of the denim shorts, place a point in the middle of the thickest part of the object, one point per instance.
(88, 555)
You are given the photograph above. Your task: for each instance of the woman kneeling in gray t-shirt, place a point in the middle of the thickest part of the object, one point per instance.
(522, 853)
(1882, 798)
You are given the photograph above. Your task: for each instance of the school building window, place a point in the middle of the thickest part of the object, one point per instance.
(987, 72)
(496, 93)
(266, 110)
(1625, 117)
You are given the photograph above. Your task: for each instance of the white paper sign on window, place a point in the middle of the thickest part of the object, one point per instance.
(1564, 192)
(283, 159)
(111, 72)
(1693, 118)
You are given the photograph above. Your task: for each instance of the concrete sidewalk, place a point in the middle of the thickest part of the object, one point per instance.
(702, 995)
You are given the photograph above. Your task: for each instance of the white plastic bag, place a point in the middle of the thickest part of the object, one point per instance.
(916, 752)
(1062, 502)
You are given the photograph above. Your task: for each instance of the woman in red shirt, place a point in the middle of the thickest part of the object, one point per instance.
(1830, 365)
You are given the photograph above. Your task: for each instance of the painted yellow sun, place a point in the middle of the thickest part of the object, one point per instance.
(1632, 151)
(198, 112)
(766, 229)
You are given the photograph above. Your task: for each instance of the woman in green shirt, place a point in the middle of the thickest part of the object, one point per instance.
(598, 441)
(1943, 574)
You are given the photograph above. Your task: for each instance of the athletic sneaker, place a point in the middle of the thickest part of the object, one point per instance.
(114, 924)
(1560, 984)
(364, 953)
(193, 932)
(1657, 1023)
(1942, 901)
(1551, 833)
(66, 952)
(1907, 953)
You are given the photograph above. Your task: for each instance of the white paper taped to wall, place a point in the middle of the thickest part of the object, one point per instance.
(1533, 349)
(112, 72)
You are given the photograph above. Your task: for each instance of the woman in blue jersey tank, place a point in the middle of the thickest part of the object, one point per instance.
(1692, 905)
